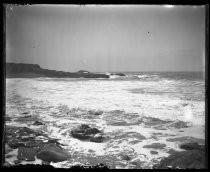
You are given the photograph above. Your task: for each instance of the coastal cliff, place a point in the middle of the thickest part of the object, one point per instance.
(21, 70)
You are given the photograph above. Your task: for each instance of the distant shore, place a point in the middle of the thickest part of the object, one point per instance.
(21, 70)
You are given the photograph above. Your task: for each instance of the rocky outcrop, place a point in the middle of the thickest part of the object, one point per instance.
(31, 143)
(191, 159)
(33, 70)
(192, 146)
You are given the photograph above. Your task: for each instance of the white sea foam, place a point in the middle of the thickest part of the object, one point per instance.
(111, 95)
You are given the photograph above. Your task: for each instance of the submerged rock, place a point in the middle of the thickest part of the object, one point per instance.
(155, 146)
(191, 159)
(53, 153)
(153, 152)
(150, 121)
(27, 154)
(179, 124)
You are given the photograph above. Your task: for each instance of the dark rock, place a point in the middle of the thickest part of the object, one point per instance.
(38, 123)
(155, 146)
(15, 143)
(171, 151)
(33, 143)
(78, 135)
(52, 153)
(50, 140)
(84, 132)
(25, 113)
(153, 152)
(125, 157)
(91, 131)
(99, 113)
(10, 130)
(120, 74)
(191, 159)
(27, 154)
(192, 146)
(27, 137)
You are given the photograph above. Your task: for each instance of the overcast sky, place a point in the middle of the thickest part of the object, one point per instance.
(107, 38)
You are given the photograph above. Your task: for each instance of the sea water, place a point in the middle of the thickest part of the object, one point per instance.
(64, 103)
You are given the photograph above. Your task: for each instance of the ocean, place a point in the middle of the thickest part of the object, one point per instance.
(139, 109)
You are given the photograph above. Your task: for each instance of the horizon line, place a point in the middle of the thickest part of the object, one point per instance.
(120, 71)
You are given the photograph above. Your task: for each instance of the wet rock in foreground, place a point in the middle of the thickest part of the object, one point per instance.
(53, 153)
(191, 159)
(27, 154)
